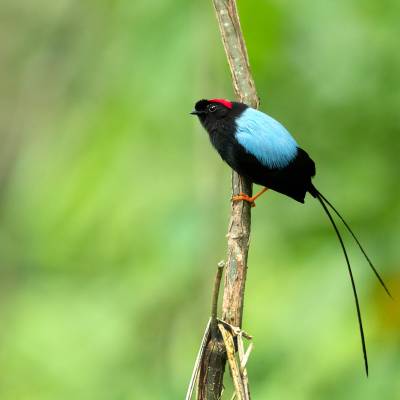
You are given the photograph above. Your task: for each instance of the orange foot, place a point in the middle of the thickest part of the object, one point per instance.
(244, 197)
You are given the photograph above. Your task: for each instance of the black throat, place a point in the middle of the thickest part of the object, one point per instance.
(222, 130)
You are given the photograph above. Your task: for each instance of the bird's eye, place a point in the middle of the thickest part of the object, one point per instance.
(212, 107)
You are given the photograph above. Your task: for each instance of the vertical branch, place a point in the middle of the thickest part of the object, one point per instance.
(212, 367)
(214, 360)
(239, 226)
(236, 52)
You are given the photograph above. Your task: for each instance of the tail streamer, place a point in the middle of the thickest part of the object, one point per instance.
(357, 241)
(364, 347)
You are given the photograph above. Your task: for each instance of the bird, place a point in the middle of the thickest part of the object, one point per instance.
(261, 149)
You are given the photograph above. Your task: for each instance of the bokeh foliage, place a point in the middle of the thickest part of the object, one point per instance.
(114, 207)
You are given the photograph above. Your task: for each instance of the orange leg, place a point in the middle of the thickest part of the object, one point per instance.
(249, 199)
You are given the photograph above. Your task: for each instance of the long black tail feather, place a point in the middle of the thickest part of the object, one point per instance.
(364, 347)
(357, 241)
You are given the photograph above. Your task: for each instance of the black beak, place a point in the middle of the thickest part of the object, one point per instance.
(195, 112)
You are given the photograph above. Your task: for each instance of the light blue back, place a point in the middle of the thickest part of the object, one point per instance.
(265, 138)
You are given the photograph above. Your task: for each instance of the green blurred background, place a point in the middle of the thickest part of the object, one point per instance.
(114, 207)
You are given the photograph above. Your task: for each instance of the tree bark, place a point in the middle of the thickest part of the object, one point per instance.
(214, 361)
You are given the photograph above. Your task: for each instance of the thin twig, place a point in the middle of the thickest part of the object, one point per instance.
(245, 358)
(235, 329)
(235, 370)
(242, 363)
(214, 303)
(214, 351)
(199, 357)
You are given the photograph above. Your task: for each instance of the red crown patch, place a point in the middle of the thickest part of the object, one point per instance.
(224, 102)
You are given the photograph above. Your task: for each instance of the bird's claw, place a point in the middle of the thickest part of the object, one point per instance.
(244, 197)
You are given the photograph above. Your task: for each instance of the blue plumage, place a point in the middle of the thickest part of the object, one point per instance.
(265, 138)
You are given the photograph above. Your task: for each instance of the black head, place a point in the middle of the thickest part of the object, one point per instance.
(210, 111)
